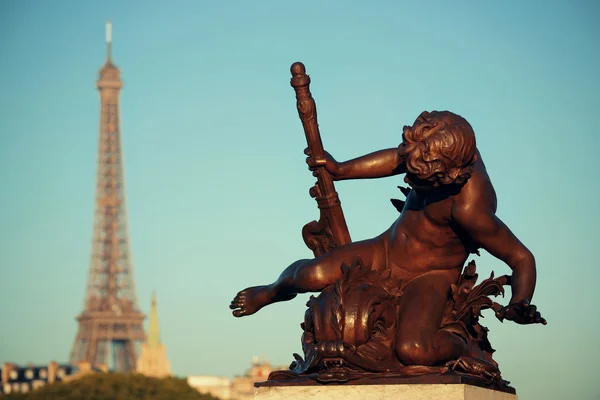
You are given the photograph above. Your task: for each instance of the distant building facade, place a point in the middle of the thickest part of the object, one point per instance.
(153, 358)
(214, 385)
(238, 388)
(23, 379)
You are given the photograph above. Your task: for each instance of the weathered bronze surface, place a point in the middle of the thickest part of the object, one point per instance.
(401, 305)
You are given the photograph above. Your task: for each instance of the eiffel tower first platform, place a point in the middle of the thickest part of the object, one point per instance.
(111, 324)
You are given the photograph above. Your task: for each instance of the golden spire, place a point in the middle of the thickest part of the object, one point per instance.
(153, 330)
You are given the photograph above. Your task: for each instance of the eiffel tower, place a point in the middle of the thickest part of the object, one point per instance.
(111, 324)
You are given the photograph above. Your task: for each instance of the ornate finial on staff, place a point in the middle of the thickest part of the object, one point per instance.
(299, 75)
(331, 230)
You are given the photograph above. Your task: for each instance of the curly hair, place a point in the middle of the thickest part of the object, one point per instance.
(439, 148)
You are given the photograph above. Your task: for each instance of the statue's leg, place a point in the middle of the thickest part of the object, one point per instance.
(314, 275)
(309, 275)
(419, 340)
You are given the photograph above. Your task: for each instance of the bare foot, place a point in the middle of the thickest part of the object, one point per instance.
(252, 299)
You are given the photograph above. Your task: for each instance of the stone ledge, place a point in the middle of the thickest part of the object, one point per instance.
(287, 378)
(377, 392)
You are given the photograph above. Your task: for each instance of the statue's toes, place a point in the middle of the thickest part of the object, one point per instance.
(239, 299)
(237, 303)
(240, 313)
(241, 296)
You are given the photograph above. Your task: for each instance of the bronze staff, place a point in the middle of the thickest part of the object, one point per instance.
(331, 230)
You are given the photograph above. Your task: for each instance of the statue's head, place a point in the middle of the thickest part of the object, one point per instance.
(351, 325)
(439, 149)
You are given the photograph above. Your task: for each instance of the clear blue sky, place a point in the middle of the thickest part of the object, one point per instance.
(216, 183)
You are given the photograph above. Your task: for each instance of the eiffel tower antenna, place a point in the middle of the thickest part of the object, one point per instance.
(108, 40)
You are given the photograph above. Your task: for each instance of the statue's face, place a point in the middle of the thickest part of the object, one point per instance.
(403, 148)
(405, 128)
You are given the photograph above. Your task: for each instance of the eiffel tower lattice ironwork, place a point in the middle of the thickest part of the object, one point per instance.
(111, 325)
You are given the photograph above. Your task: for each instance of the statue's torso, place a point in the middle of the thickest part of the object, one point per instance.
(424, 238)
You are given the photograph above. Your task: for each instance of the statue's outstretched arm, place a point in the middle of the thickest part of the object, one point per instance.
(496, 238)
(481, 223)
(379, 164)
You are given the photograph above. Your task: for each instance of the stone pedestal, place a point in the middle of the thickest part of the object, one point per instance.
(384, 391)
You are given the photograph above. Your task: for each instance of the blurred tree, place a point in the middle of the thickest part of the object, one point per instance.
(115, 386)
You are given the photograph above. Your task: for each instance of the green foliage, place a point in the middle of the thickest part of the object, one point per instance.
(115, 386)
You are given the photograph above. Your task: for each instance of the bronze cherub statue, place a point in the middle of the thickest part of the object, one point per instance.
(398, 304)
